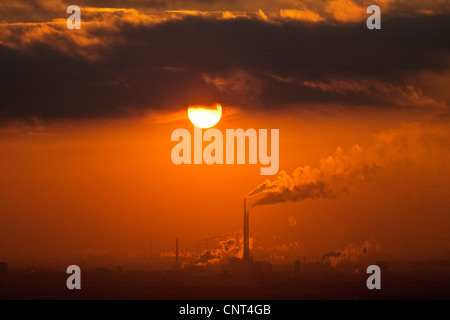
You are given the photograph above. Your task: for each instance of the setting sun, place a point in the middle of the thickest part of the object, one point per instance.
(204, 116)
(217, 150)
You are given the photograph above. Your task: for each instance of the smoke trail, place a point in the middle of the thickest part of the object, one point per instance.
(226, 248)
(208, 257)
(281, 251)
(334, 176)
(350, 253)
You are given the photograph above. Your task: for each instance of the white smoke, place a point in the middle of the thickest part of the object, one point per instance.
(350, 253)
(335, 175)
(226, 248)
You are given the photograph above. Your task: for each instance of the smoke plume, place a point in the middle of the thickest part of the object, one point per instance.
(332, 177)
(230, 247)
(350, 253)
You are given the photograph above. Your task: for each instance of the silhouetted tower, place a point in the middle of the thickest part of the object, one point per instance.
(246, 254)
(297, 267)
(3, 269)
(151, 247)
(176, 254)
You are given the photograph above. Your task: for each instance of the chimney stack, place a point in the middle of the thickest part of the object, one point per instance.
(246, 254)
(176, 255)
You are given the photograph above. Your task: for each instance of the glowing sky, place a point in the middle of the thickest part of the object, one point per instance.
(86, 118)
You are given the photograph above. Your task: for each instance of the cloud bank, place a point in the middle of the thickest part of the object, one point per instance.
(127, 61)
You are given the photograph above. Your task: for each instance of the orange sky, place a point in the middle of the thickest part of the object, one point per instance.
(111, 185)
(86, 118)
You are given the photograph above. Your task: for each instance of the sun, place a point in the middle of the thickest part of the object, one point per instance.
(204, 116)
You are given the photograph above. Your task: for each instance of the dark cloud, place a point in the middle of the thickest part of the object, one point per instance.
(171, 64)
(121, 4)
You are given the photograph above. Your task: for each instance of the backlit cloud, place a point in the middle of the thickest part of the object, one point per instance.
(345, 11)
(305, 15)
(155, 57)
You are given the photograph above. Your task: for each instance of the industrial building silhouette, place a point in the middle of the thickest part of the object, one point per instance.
(242, 277)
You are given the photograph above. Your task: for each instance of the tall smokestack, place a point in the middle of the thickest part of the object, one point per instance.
(176, 255)
(246, 255)
(151, 248)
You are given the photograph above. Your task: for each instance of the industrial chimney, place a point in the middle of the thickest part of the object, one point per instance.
(246, 254)
(176, 255)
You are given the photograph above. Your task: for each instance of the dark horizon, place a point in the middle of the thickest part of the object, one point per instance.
(130, 142)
